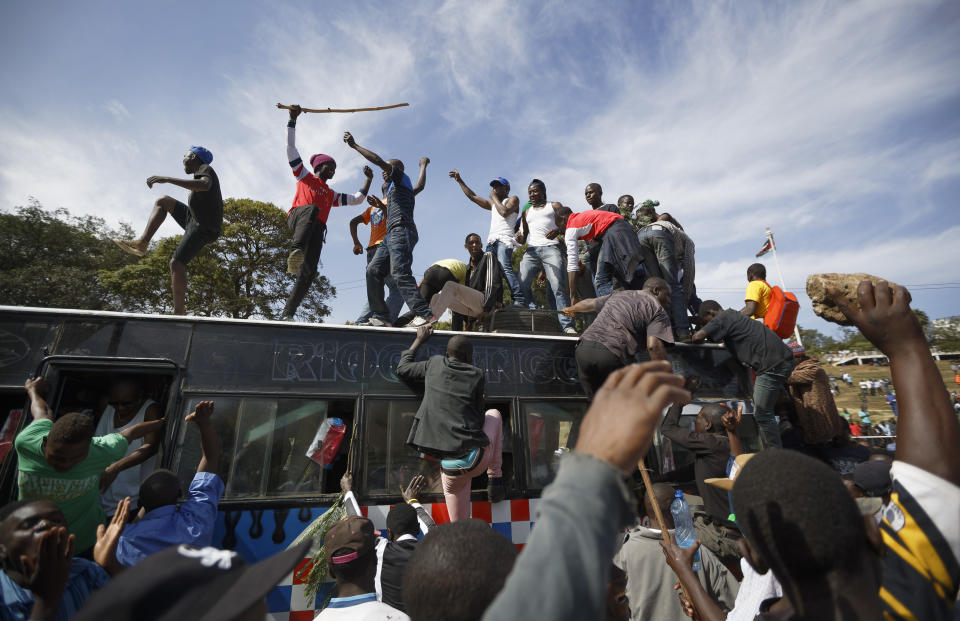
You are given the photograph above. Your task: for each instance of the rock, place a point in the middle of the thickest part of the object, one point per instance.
(846, 284)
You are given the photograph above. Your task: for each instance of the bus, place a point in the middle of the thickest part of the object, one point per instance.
(275, 383)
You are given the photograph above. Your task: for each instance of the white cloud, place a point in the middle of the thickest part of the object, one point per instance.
(118, 110)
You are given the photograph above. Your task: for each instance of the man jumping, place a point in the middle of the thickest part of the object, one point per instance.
(201, 219)
(307, 217)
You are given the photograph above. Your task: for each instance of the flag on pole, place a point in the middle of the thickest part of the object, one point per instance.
(768, 245)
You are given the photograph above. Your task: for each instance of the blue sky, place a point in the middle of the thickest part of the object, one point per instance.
(837, 124)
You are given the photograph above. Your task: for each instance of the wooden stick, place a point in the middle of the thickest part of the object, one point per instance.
(653, 502)
(327, 110)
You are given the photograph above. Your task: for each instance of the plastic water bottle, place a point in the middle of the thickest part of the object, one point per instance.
(683, 523)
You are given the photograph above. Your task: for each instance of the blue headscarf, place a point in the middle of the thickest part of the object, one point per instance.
(205, 156)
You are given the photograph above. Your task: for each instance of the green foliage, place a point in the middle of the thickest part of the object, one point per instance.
(51, 259)
(816, 343)
(946, 337)
(241, 275)
(317, 572)
(923, 318)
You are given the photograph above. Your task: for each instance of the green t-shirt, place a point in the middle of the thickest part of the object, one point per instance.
(75, 491)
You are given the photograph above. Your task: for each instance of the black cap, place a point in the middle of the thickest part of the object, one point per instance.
(184, 583)
(873, 477)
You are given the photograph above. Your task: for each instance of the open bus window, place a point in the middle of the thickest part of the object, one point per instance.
(388, 462)
(263, 446)
(548, 426)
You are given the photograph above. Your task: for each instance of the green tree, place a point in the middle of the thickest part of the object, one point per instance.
(945, 335)
(815, 342)
(51, 259)
(242, 275)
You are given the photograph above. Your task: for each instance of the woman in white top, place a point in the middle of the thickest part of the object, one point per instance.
(539, 230)
(126, 406)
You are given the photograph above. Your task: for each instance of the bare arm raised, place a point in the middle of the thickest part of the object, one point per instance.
(481, 202)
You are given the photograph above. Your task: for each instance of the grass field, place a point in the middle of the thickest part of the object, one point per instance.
(850, 395)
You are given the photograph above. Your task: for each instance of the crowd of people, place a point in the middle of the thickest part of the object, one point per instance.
(811, 525)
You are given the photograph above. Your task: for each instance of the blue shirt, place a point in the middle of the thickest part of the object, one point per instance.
(170, 525)
(400, 200)
(86, 576)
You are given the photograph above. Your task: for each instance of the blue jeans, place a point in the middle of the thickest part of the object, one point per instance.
(550, 259)
(504, 255)
(394, 257)
(766, 391)
(660, 243)
(394, 299)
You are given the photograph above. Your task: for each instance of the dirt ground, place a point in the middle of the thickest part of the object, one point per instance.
(850, 395)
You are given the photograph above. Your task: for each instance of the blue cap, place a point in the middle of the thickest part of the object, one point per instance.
(499, 180)
(205, 156)
(678, 493)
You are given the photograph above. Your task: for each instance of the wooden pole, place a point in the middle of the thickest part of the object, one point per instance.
(328, 110)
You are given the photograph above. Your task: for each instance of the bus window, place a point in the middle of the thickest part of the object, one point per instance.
(264, 443)
(388, 462)
(548, 425)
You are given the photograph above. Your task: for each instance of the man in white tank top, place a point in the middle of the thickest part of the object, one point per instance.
(126, 406)
(503, 210)
(539, 230)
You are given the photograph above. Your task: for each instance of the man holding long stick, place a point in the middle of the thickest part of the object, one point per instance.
(307, 217)
(395, 254)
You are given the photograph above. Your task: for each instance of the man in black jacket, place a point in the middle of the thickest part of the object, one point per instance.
(404, 522)
(451, 424)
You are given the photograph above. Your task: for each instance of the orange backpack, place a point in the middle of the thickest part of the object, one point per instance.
(781, 316)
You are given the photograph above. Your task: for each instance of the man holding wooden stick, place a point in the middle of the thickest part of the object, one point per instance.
(307, 218)
(395, 254)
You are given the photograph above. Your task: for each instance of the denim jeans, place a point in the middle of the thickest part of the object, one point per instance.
(394, 299)
(394, 257)
(660, 243)
(766, 391)
(550, 259)
(504, 255)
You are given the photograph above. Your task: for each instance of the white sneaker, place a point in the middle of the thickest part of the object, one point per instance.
(377, 323)
(418, 321)
(569, 330)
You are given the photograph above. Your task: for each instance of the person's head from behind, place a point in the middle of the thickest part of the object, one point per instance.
(562, 216)
(350, 546)
(22, 526)
(460, 348)
(68, 442)
(663, 494)
(394, 164)
(799, 521)
(160, 488)
(594, 195)
(537, 192)
(125, 397)
(474, 246)
(402, 520)
(658, 288)
(625, 203)
(710, 419)
(757, 271)
(457, 571)
(646, 211)
(709, 309)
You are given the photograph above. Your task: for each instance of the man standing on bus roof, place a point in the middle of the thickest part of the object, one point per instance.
(395, 254)
(307, 218)
(757, 297)
(62, 462)
(201, 219)
(451, 424)
(504, 210)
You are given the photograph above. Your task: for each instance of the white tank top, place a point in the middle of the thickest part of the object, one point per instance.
(541, 221)
(502, 229)
(127, 482)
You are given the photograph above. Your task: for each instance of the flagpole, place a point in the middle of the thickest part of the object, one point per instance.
(783, 283)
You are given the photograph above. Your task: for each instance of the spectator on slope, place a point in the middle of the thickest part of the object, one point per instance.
(405, 522)
(201, 219)
(619, 254)
(504, 210)
(457, 571)
(758, 294)
(649, 588)
(539, 228)
(62, 462)
(161, 522)
(757, 346)
(395, 254)
(450, 423)
(812, 399)
(125, 406)
(307, 218)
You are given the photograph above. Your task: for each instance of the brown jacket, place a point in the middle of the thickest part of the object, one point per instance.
(816, 411)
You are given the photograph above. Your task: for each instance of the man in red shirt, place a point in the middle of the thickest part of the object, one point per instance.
(307, 217)
(620, 252)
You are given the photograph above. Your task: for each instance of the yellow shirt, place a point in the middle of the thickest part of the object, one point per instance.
(459, 269)
(758, 291)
